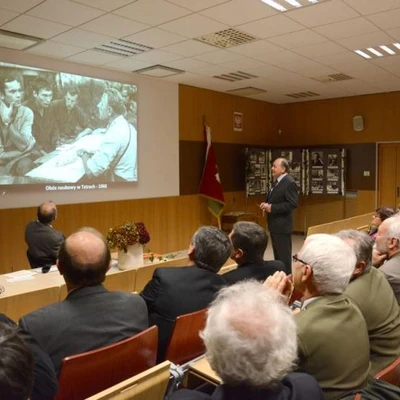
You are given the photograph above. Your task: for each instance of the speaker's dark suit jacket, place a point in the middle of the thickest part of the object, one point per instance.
(283, 199)
(259, 271)
(176, 291)
(89, 318)
(294, 386)
(43, 244)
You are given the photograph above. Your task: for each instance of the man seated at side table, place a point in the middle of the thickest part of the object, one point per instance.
(91, 316)
(249, 241)
(42, 239)
(332, 335)
(372, 293)
(177, 291)
(250, 339)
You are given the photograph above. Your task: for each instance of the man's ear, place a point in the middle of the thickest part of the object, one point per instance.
(59, 267)
(307, 273)
(237, 254)
(359, 269)
(191, 252)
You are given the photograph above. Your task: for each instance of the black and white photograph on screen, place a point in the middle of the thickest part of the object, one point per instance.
(57, 127)
(288, 155)
(317, 159)
(256, 171)
(317, 187)
(333, 174)
(317, 174)
(295, 167)
(332, 187)
(333, 160)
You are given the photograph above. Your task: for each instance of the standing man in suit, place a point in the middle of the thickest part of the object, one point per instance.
(42, 239)
(249, 243)
(177, 291)
(90, 317)
(279, 205)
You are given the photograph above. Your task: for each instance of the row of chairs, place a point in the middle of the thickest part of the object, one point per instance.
(359, 222)
(86, 374)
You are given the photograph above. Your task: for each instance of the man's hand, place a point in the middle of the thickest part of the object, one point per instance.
(6, 113)
(265, 207)
(377, 258)
(280, 282)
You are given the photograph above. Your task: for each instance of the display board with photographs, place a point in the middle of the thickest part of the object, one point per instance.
(296, 161)
(326, 169)
(257, 162)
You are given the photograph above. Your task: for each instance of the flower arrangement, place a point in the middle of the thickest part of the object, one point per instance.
(126, 235)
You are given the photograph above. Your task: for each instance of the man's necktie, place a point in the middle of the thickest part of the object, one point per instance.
(274, 183)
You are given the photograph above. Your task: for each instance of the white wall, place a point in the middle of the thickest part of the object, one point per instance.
(158, 139)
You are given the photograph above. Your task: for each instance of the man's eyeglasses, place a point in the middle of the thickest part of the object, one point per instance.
(297, 259)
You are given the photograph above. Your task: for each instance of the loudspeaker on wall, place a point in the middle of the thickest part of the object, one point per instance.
(358, 123)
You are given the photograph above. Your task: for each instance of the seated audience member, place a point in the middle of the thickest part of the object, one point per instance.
(332, 335)
(177, 291)
(16, 365)
(42, 239)
(250, 339)
(371, 292)
(381, 213)
(388, 249)
(45, 384)
(249, 241)
(91, 316)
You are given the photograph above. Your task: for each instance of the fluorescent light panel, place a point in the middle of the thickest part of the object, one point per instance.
(362, 54)
(390, 51)
(275, 5)
(373, 52)
(286, 5)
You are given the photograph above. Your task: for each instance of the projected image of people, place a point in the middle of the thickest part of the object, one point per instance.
(60, 128)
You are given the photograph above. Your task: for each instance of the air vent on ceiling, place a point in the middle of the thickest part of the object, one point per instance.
(246, 91)
(123, 47)
(301, 95)
(227, 38)
(235, 76)
(159, 71)
(333, 78)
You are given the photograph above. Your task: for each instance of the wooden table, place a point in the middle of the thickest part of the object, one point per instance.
(229, 219)
(201, 369)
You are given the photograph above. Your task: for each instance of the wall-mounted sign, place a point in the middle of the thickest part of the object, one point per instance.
(237, 121)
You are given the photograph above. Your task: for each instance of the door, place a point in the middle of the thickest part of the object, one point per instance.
(389, 175)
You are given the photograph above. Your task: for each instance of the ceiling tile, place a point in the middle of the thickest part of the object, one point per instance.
(93, 57)
(128, 64)
(387, 20)
(255, 48)
(214, 70)
(320, 49)
(272, 26)
(394, 33)
(152, 12)
(85, 39)
(193, 26)
(323, 13)
(387, 61)
(105, 5)
(114, 26)
(287, 59)
(345, 29)
(219, 57)
(273, 73)
(315, 71)
(157, 57)
(156, 38)
(298, 39)
(365, 7)
(387, 82)
(237, 12)
(64, 12)
(357, 87)
(55, 50)
(188, 64)
(19, 6)
(32, 26)
(197, 5)
(189, 48)
(244, 64)
(6, 15)
(185, 78)
(367, 40)
(367, 70)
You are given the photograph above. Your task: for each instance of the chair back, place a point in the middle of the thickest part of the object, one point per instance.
(85, 374)
(391, 373)
(150, 384)
(185, 343)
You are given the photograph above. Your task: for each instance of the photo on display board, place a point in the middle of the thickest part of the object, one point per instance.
(317, 159)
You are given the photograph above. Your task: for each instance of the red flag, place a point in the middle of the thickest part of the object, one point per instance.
(210, 185)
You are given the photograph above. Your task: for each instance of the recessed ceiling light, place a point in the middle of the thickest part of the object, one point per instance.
(362, 54)
(275, 5)
(376, 52)
(390, 51)
(17, 41)
(159, 71)
(397, 45)
(286, 5)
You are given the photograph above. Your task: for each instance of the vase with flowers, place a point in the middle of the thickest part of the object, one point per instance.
(129, 239)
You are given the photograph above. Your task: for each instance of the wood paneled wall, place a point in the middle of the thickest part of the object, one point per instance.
(172, 220)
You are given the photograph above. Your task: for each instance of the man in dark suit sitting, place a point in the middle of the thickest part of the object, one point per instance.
(249, 242)
(250, 337)
(177, 291)
(90, 317)
(42, 239)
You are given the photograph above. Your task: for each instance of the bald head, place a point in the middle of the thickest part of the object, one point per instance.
(47, 212)
(84, 258)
